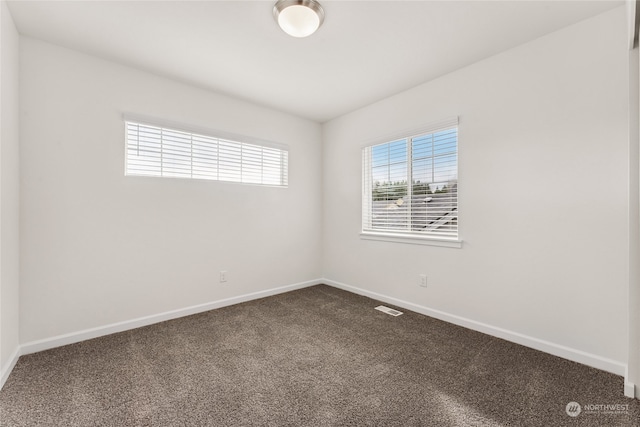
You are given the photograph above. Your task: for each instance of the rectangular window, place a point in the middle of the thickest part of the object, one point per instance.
(410, 185)
(163, 152)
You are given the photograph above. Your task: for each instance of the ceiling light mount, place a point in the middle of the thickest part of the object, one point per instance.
(298, 18)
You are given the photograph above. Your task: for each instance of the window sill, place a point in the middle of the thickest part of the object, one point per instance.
(413, 240)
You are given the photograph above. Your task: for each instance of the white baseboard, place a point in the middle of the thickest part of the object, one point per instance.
(629, 389)
(8, 367)
(629, 386)
(575, 355)
(579, 356)
(74, 337)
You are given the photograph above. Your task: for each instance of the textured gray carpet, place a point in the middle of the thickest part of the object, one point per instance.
(314, 357)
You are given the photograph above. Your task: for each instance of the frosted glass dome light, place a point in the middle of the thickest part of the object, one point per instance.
(298, 18)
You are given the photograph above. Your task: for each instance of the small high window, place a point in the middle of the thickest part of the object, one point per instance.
(164, 152)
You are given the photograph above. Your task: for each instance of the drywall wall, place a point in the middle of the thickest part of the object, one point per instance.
(633, 375)
(543, 181)
(100, 248)
(9, 193)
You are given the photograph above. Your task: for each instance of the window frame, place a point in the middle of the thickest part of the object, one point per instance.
(219, 137)
(409, 236)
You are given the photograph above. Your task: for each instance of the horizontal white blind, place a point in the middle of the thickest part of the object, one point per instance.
(159, 151)
(410, 185)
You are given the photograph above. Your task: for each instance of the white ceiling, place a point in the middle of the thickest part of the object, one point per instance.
(365, 51)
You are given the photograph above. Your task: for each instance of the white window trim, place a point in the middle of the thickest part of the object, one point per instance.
(145, 120)
(215, 134)
(409, 238)
(403, 134)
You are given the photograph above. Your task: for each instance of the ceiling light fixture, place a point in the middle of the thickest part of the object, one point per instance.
(298, 18)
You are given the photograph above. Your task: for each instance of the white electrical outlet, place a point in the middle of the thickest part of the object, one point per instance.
(223, 276)
(422, 280)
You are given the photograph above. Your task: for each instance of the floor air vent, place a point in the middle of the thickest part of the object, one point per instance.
(388, 310)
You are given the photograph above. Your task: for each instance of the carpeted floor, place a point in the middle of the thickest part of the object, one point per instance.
(314, 357)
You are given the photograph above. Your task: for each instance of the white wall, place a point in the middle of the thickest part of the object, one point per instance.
(543, 175)
(99, 247)
(633, 377)
(9, 193)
